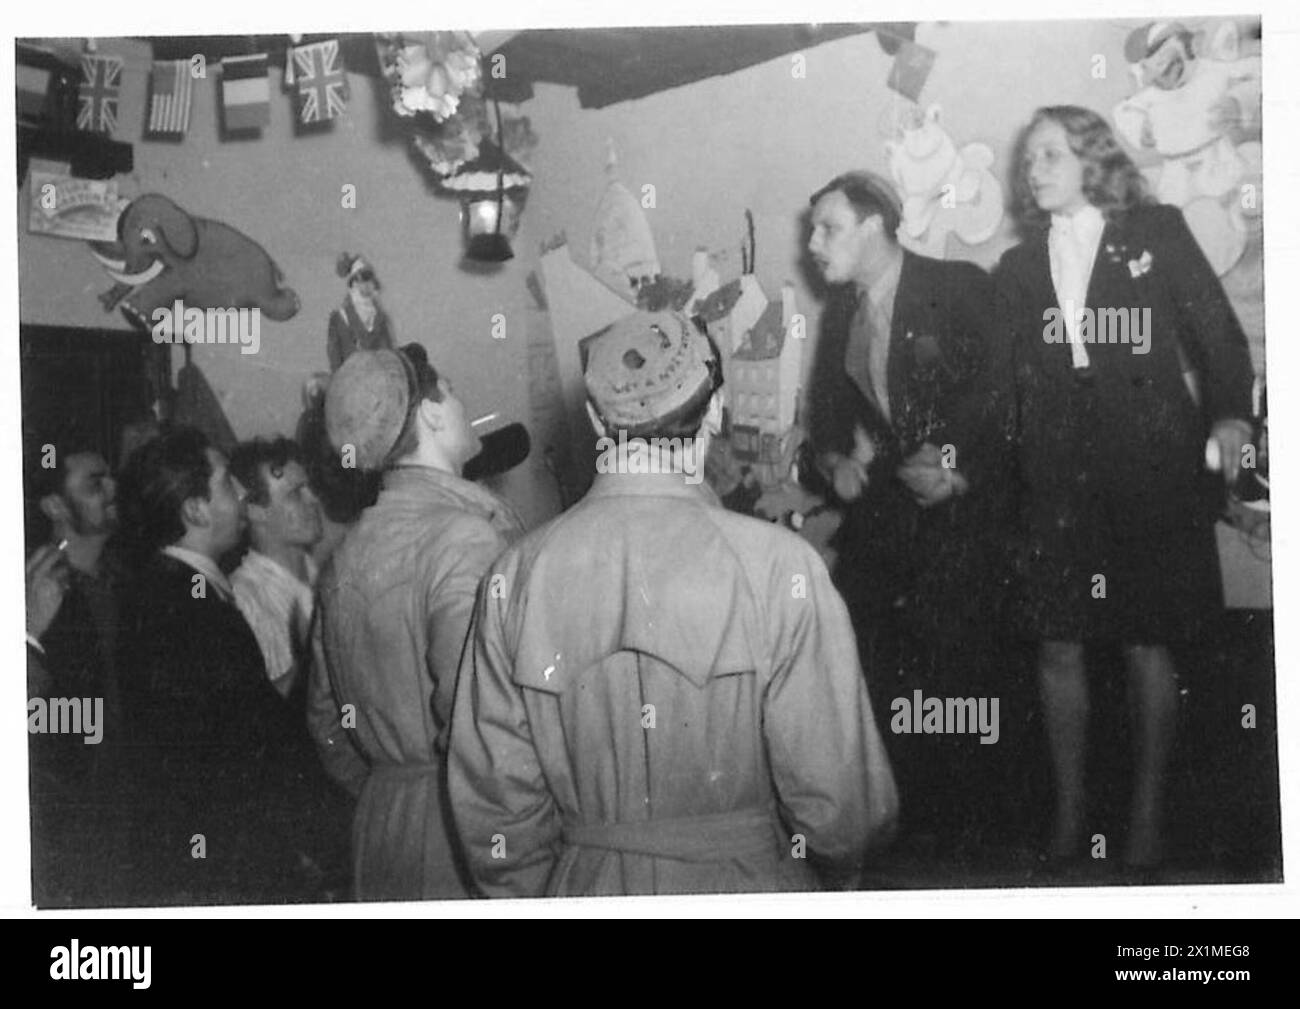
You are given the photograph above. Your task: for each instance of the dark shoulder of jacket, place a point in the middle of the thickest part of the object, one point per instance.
(963, 281)
(1152, 215)
(1159, 224)
(157, 584)
(1015, 257)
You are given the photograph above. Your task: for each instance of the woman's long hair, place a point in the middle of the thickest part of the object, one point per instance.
(1111, 182)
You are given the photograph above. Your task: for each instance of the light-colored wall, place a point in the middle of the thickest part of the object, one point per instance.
(759, 139)
(285, 192)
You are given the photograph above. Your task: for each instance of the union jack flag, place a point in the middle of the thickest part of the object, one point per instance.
(322, 85)
(101, 79)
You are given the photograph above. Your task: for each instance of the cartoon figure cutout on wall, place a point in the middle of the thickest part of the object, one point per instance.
(1198, 108)
(360, 323)
(944, 190)
(162, 255)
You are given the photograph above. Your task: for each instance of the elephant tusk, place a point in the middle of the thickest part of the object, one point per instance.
(110, 264)
(143, 277)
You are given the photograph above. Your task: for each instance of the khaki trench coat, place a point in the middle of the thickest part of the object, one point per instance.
(662, 696)
(394, 608)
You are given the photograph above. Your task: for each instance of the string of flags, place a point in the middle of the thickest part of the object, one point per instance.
(314, 77)
(97, 98)
(322, 85)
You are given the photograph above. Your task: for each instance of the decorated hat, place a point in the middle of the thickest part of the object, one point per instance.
(649, 369)
(349, 264)
(1144, 41)
(367, 404)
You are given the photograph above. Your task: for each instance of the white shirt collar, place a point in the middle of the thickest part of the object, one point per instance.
(204, 565)
(881, 293)
(256, 561)
(1086, 224)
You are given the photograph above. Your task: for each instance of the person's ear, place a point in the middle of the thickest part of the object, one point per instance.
(54, 508)
(597, 424)
(194, 512)
(432, 413)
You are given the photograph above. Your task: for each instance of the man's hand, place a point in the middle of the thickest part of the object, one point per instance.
(930, 482)
(848, 477)
(47, 582)
(1223, 454)
(848, 473)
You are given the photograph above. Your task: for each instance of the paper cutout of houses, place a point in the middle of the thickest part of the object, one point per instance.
(762, 380)
(704, 281)
(580, 305)
(731, 311)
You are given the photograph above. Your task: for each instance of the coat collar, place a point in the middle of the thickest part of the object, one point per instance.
(651, 485)
(204, 565)
(423, 483)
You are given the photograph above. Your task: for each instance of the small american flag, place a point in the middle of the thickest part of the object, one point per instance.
(101, 79)
(322, 85)
(169, 108)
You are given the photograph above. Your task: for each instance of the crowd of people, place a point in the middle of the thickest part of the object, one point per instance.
(650, 693)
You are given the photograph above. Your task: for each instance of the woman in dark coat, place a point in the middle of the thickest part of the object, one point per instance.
(360, 323)
(1102, 304)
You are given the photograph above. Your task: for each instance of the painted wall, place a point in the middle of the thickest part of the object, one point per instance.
(285, 191)
(760, 139)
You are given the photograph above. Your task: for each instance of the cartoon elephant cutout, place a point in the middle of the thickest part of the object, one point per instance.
(163, 254)
(943, 190)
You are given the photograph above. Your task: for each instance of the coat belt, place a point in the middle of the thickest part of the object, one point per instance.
(709, 838)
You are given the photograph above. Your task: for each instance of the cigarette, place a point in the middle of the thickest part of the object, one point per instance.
(483, 420)
(63, 545)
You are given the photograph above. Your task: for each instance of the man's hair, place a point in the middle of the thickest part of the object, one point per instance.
(157, 480)
(866, 193)
(41, 481)
(424, 382)
(251, 460)
(1111, 181)
(344, 492)
(67, 442)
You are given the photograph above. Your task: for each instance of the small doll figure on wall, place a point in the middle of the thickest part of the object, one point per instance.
(360, 323)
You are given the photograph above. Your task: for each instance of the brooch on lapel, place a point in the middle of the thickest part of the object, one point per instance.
(1141, 266)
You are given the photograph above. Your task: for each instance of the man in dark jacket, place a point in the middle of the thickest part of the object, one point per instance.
(230, 793)
(893, 413)
(74, 776)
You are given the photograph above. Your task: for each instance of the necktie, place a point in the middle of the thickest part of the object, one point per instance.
(867, 358)
(878, 360)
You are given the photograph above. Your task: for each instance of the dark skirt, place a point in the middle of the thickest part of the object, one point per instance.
(1116, 539)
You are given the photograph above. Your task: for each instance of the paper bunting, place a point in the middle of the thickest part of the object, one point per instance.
(322, 84)
(101, 82)
(171, 90)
